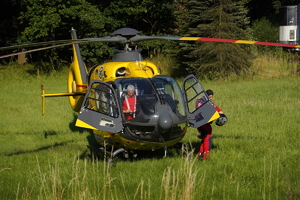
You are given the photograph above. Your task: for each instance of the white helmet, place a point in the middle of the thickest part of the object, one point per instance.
(221, 120)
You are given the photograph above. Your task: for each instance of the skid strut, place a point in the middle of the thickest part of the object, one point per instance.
(110, 154)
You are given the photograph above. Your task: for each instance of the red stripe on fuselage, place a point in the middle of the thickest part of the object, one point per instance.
(84, 86)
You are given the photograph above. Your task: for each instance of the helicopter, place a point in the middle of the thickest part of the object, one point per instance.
(163, 110)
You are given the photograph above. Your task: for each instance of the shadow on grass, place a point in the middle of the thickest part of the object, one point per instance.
(195, 146)
(39, 149)
(90, 138)
(233, 137)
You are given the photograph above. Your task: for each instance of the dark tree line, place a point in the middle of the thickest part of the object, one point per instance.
(27, 21)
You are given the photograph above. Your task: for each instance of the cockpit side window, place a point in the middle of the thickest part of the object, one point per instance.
(102, 100)
(196, 97)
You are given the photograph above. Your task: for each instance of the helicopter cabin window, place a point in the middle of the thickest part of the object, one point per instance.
(195, 95)
(102, 100)
(170, 92)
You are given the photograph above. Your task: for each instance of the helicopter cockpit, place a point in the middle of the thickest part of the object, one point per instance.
(162, 111)
(159, 107)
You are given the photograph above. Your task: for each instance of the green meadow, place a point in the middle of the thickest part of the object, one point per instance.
(254, 156)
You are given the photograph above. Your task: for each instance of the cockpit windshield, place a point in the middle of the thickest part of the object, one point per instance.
(148, 92)
(170, 92)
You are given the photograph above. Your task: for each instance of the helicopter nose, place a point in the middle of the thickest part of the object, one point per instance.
(165, 120)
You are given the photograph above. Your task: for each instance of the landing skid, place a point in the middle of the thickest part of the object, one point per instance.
(110, 155)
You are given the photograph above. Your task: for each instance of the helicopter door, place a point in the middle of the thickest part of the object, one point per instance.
(100, 110)
(200, 109)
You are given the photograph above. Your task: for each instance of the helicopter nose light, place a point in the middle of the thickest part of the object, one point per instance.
(165, 120)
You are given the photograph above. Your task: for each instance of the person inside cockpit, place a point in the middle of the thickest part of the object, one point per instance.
(129, 103)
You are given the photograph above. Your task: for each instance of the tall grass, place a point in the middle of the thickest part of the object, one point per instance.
(254, 156)
(275, 64)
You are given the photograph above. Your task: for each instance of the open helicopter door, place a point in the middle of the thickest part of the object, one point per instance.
(100, 109)
(200, 109)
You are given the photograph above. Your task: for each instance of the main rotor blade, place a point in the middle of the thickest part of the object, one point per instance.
(39, 44)
(117, 39)
(140, 38)
(34, 50)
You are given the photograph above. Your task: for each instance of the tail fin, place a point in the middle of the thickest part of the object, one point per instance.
(77, 78)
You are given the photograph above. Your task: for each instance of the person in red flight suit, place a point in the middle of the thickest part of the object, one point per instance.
(129, 103)
(205, 133)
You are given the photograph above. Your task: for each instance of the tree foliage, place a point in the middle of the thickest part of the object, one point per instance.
(150, 17)
(216, 19)
(264, 30)
(51, 20)
(30, 21)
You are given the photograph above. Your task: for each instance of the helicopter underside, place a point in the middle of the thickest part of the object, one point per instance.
(135, 141)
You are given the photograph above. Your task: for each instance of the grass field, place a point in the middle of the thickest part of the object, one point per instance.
(254, 156)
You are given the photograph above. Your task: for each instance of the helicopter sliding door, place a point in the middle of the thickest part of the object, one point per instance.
(200, 109)
(100, 110)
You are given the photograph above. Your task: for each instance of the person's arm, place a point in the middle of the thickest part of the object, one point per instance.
(218, 109)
